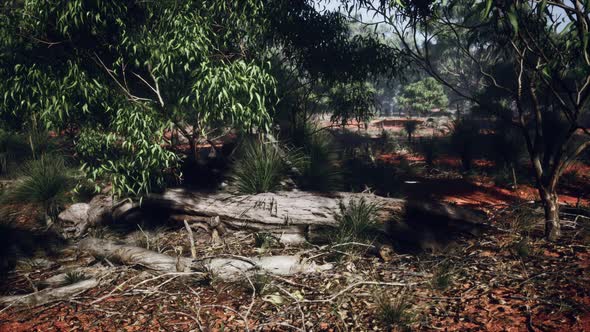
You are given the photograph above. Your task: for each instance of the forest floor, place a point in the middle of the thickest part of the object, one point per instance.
(506, 279)
(491, 282)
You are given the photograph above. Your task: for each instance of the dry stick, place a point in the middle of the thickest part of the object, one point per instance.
(298, 305)
(253, 299)
(191, 239)
(360, 283)
(114, 290)
(292, 283)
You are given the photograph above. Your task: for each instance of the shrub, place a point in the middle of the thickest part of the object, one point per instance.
(430, 150)
(523, 248)
(320, 168)
(259, 167)
(264, 240)
(85, 191)
(464, 141)
(570, 178)
(13, 150)
(385, 142)
(508, 146)
(357, 221)
(410, 127)
(45, 184)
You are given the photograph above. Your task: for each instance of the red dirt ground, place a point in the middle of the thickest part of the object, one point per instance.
(480, 191)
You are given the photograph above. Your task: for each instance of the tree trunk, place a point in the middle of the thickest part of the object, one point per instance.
(551, 205)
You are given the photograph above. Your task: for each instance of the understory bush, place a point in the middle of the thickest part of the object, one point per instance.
(410, 128)
(320, 171)
(430, 149)
(13, 150)
(464, 141)
(442, 276)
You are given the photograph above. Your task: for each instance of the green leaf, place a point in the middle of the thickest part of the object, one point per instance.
(513, 21)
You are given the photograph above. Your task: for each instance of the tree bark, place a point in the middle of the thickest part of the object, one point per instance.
(551, 206)
(293, 217)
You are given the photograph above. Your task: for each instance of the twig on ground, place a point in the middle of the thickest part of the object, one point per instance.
(191, 239)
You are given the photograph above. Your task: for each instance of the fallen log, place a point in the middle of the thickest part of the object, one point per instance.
(227, 268)
(292, 216)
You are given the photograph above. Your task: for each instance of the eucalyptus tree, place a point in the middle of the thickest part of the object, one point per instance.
(123, 74)
(423, 96)
(325, 65)
(532, 54)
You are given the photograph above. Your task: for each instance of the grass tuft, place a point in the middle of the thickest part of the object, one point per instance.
(357, 221)
(396, 311)
(45, 183)
(442, 277)
(320, 168)
(73, 277)
(260, 167)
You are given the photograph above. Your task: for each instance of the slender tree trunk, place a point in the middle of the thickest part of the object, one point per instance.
(551, 206)
(193, 149)
(514, 182)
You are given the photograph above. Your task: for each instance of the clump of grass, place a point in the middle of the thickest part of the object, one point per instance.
(442, 277)
(265, 240)
(148, 239)
(260, 283)
(523, 219)
(523, 248)
(45, 183)
(260, 167)
(73, 277)
(396, 311)
(319, 170)
(357, 221)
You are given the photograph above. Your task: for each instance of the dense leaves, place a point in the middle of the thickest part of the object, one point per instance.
(423, 96)
(124, 72)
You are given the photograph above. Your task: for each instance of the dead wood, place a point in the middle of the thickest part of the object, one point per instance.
(230, 267)
(292, 216)
(49, 294)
